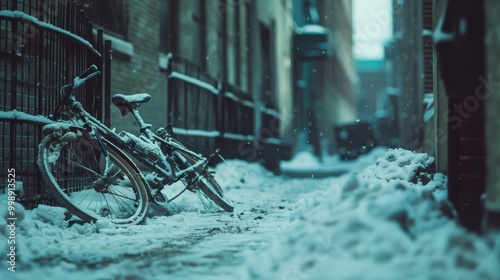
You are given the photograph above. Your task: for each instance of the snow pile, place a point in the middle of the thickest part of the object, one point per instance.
(306, 165)
(238, 172)
(378, 225)
(302, 160)
(39, 234)
(398, 164)
(51, 215)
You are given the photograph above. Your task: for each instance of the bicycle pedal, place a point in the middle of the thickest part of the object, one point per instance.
(214, 155)
(210, 173)
(160, 198)
(192, 186)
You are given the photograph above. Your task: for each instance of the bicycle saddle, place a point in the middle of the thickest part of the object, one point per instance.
(128, 102)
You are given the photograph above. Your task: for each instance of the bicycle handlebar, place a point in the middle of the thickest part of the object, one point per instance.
(82, 78)
(89, 71)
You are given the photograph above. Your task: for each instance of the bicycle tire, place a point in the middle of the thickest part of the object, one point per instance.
(71, 167)
(206, 183)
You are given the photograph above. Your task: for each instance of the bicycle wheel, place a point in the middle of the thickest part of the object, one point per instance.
(74, 169)
(201, 181)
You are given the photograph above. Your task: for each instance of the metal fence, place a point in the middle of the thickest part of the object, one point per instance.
(210, 113)
(193, 104)
(43, 45)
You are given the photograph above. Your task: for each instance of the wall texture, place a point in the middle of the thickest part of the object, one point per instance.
(492, 9)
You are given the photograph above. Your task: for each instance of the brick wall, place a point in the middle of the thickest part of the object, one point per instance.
(216, 35)
(140, 72)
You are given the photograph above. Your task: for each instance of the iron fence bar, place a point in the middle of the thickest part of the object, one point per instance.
(107, 83)
(169, 89)
(13, 97)
(46, 61)
(186, 100)
(186, 83)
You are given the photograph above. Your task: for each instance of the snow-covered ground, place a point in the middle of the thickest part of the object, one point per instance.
(371, 223)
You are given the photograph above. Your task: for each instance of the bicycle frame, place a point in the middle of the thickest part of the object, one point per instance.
(93, 128)
(94, 171)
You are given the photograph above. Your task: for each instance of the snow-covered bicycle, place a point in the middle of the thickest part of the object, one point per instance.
(88, 167)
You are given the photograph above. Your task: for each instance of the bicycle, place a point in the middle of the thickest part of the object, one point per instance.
(89, 170)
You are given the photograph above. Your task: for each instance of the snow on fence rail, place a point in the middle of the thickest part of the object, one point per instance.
(23, 117)
(196, 82)
(18, 15)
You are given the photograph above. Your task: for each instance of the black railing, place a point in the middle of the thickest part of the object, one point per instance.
(238, 111)
(43, 45)
(210, 113)
(193, 103)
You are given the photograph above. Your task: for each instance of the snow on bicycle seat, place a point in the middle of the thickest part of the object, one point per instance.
(128, 102)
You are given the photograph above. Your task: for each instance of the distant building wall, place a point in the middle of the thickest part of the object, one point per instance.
(271, 84)
(324, 88)
(372, 87)
(338, 81)
(408, 71)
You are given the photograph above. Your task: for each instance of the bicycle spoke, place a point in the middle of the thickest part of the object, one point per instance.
(120, 205)
(200, 181)
(107, 203)
(85, 168)
(121, 195)
(85, 197)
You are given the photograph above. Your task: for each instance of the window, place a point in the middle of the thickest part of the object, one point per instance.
(248, 44)
(112, 15)
(222, 40)
(168, 23)
(267, 64)
(199, 55)
(237, 59)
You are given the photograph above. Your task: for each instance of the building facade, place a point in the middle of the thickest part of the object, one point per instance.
(405, 53)
(460, 71)
(244, 44)
(248, 45)
(239, 51)
(324, 82)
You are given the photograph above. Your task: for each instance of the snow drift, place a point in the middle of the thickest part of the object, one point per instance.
(379, 225)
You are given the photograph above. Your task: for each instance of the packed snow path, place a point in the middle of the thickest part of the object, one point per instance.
(376, 225)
